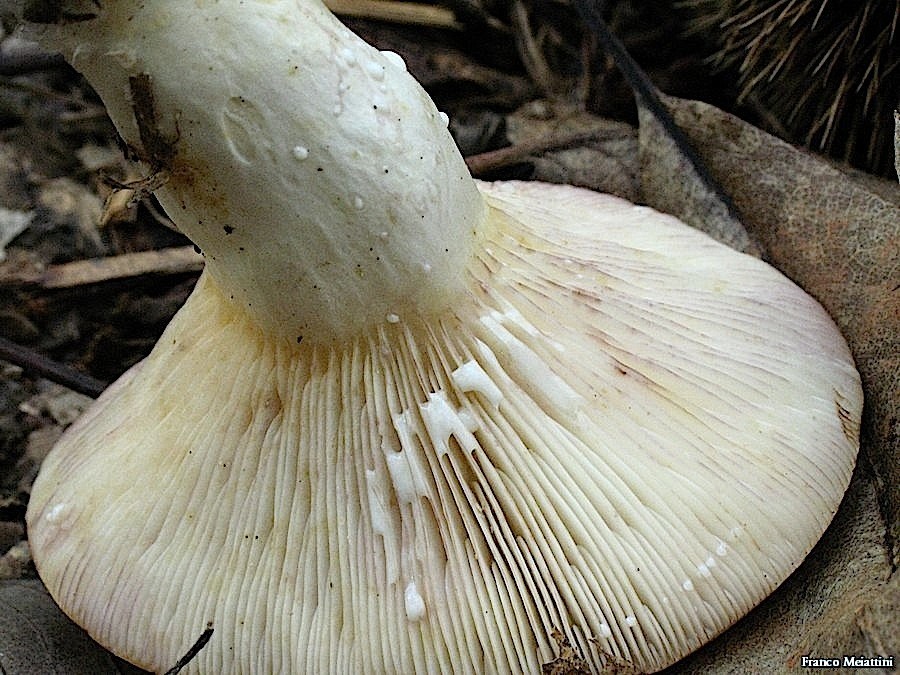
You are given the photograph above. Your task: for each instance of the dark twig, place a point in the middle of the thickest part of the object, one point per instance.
(648, 95)
(37, 363)
(26, 60)
(192, 652)
(492, 160)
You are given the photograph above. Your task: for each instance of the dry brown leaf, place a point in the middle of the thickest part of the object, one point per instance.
(841, 242)
(606, 163)
(669, 183)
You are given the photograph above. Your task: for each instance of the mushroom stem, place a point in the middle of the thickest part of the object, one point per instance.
(309, 154)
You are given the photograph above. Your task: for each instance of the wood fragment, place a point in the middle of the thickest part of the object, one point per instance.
(39, 364)
(492, 160)
(167, 261)
(396, 11)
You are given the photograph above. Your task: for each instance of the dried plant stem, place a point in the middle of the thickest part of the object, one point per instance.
(39, 364)
(178, 260)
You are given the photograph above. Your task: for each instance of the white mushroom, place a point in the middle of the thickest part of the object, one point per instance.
(412, 423)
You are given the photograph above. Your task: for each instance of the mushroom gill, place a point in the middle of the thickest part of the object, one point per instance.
(624, 431)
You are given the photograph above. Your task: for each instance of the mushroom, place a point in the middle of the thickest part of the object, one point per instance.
(410, 422)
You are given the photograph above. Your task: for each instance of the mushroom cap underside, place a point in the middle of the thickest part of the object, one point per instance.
(624, 431)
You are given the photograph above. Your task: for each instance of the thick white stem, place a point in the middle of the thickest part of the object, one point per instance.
(313, 171)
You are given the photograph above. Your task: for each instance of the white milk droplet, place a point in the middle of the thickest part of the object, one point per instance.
(630, 621)
(605, 632)
(470, 376)
(394, 59)
(687, 585)
(375, 70)
(443, 422)
(445, 118)
(721, 549)
(300, 153)
(358, 203)
(55, 512)
(348, 56)
(415, 604)
(392, 318)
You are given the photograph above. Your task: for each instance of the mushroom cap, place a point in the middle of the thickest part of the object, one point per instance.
(622, 431)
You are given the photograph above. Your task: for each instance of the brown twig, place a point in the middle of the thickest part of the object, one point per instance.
(177, 260)
(395, 11)
(39, 364)
(492, 160)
